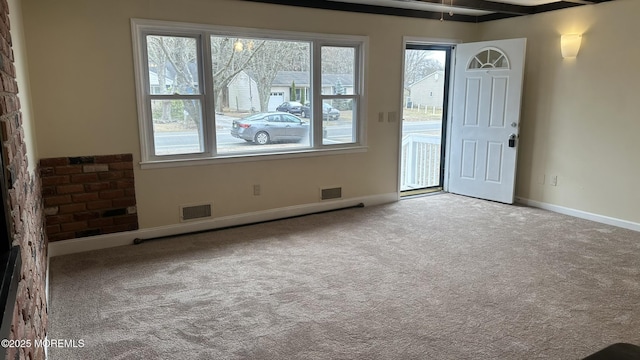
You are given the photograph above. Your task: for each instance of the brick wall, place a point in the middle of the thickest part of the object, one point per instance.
(88, 195)
(25, 203)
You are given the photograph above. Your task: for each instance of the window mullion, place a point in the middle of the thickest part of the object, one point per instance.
(316, 85)
(209, 97)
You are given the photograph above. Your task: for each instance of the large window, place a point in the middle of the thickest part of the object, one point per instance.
(230, 93)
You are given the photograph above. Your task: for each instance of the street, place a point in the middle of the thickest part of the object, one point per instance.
(183, 142)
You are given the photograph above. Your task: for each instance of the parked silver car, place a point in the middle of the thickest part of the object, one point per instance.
(328, 112)
(263, 128)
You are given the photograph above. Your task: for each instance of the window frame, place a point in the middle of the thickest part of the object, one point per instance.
(141, 28)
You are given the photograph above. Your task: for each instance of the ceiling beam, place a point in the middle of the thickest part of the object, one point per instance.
(484, 5)
(581, 2)
(371, 9)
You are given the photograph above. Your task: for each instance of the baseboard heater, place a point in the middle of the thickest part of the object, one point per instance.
(138, 241)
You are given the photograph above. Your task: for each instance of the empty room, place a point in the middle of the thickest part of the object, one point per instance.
(375, 179)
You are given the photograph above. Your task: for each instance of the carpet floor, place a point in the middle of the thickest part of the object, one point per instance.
(436, 277)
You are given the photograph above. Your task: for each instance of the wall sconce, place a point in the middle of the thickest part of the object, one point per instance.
(570, 45)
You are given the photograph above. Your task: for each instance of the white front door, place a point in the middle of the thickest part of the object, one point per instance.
(486, 116)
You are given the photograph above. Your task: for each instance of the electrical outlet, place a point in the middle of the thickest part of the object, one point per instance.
(553, 180)
(391, 117)
(381, 116)
(256, 190)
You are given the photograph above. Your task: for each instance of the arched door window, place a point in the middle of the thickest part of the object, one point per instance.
(490, 58)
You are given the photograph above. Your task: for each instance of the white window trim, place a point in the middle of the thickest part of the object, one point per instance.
(140, 27)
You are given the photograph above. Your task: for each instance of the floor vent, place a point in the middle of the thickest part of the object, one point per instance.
(195, 212)
(332, 193)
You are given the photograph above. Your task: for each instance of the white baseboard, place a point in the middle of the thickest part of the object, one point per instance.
(72, 246)
(580, 214)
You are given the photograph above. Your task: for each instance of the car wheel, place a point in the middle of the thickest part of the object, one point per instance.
(262, 138)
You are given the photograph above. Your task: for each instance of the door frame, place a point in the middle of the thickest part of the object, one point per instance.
(444, 165)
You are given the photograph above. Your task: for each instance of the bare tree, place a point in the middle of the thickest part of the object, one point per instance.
(174, 62)
(418, 64)
(338, 60)
(229, 57)
(276, 56)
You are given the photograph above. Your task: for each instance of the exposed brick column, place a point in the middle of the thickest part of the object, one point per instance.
(25, 201)
(88, 195)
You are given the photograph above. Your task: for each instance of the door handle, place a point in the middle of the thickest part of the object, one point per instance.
(512, 140)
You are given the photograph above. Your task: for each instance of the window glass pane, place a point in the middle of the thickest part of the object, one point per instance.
(177, 126)
(255, 77)
(338, 125)
(338, 70)
(173, 65)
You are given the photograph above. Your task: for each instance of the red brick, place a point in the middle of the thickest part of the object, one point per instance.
(95, 168)
(101, 222)
(125, 184)
(48, 190)
(87, 215)
(58, 219)
(128, 174)
(54, 161)
(57, 200)
(55, 180)
(111, 194)
(130, 192)
(71, 169)
(104, 159)
(116, 228)
(121, 166)
(74, 226)
(102, 204)
(111, 175)
(69, 189)
(62, 236)
(127, 219)
(124, 202)
(98, 186)
(72, 208)
(85, 197)
(47, 171)
(84, 178)
(53, 229)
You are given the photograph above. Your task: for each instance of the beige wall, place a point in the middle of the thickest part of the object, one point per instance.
(81, 66)
(22, 77)
(580, 117)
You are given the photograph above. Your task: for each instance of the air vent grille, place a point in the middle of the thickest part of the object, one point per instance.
(331, 193)
(195, 212)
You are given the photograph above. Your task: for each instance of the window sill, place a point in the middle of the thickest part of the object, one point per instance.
(237, 158)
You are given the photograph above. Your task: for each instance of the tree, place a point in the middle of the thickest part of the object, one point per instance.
(172, 59)
(276, 56)
(418, 64)
(292, 92)
(229, 57)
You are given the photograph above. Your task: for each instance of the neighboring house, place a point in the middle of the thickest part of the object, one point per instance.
(428, 91)
(239, 91)
(243, 93)
(155, 83)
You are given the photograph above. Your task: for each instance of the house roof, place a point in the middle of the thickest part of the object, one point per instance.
(439, 72)
(301, 78)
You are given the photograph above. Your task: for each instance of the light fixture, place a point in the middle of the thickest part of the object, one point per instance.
(238, 46)
(570, 45)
